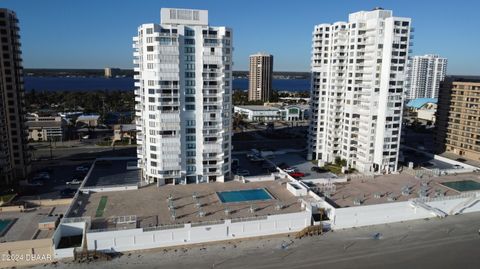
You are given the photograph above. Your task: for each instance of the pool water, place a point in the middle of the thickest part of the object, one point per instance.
(4, 224)
(464, 185)
(244, 196)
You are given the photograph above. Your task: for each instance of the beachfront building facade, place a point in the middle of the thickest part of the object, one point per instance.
(14, 154)
(260, 77)
(424, 74)
(183, 81)
(358, 70)
(458, 120)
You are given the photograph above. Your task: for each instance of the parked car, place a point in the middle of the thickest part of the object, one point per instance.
(41, 176)
(243, 172)
(297, 174)
(81, 169)
(74, 182)
(271, 169)
(257, 159)
(318, 169)
(66, 193)
(290, 169)
(282, 165)
(34, 183)
(456, 166)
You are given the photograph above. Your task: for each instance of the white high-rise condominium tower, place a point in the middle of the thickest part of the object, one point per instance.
(183, 81)
(358, 69)
(424, 74)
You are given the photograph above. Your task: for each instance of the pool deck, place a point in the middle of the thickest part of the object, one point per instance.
(25, 226)
(150, 203)
(364, 190)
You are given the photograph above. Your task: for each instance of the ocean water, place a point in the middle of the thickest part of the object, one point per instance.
(126, 84)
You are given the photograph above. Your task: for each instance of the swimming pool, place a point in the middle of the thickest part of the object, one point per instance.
(4, 225)
(463, 185)
(244, 196)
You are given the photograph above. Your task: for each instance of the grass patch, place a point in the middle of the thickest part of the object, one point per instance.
(101, 206)
(334, 168)
(7, 197)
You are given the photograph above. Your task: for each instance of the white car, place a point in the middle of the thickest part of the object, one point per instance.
(82, 169)
(74, 182)
(290, 169)
(456, 166)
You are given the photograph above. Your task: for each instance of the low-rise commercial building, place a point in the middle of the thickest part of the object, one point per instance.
(294, 112)
(45, 128)
(421, 110)
(90, 120)
(124, 132)
(258, 113)
(273, 112)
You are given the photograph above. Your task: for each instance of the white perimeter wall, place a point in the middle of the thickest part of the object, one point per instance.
(135, 239)
(110, 188)
(392, 212)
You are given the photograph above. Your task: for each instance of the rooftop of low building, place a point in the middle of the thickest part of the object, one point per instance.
(150, 205)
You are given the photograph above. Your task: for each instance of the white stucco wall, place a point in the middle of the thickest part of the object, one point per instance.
(377, 214)
(135, 239)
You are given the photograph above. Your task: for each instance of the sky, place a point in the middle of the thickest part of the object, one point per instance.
(97, 34)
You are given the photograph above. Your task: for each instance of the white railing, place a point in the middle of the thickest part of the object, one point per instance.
(445, 198)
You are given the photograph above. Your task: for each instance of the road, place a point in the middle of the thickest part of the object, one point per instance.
(453, 242)
(84, 152)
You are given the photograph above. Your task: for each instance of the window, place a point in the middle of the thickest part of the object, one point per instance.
(189, 41)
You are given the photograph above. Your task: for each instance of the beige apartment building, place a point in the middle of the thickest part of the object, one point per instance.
(260, 77)
(458, 118)
(14, 155)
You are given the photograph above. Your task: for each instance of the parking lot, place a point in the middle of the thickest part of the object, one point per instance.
(254, 168)
(423, 160)
(60, 172)
(298, 161)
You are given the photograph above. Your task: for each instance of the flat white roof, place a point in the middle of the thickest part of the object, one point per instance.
(259, 108)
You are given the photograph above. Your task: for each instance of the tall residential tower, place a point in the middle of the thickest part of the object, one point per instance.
(14, 154)
(358, 69)
(260, 77)
(183, 73)
(458, 117)
(424, 74)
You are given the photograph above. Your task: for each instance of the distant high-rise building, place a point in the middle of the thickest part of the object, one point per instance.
(424, 74)
(457, 127)
(110, 72)
(358, 69)
(14, 154)
(260, 78)
(183, 74)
